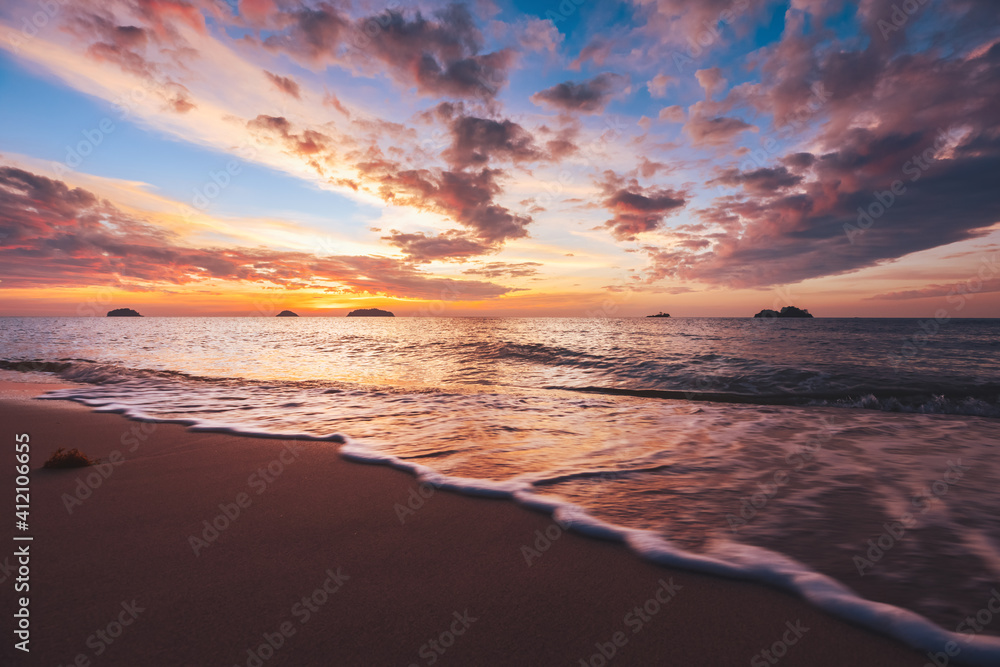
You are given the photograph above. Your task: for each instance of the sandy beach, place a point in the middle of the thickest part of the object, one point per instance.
(317, 557)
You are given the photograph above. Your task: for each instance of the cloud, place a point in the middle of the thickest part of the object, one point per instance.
(560, 143)
(475, 141)
(708, 130)
(863, 106)
(466, 193)
(449, 246)
(257, 12)
(121, 44)
(505, 270)
(799, 161)
(974, 286)
(440, 56)
(135, 49)
(648, 168)
(636, 209)
(825, 229)
(310, 34)
(672, 114)
(540, 35)
(843, 214)
(467, 197)
(597, 50)
(696, 27)
(657, 86)
(55, 235)
(589, 96)
(306, 144)
(285, 84)
(763, 181)
(331, 100)
(711, 80)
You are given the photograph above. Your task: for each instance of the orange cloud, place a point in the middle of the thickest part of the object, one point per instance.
(57, 236)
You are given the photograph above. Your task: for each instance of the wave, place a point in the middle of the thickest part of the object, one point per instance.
(979, 400)
(721, 558)
(535, 352)
(91, 372)
(724, 558)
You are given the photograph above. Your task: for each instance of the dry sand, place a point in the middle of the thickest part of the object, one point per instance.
(124, 555)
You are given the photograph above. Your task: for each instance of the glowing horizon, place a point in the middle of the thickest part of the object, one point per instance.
(703, 159)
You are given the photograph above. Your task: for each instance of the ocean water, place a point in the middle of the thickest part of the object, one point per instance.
(854, 461)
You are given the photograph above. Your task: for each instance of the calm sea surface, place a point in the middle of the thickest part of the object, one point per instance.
(863, 450)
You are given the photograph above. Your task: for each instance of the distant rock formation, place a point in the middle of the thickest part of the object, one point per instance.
(660, 314)
(123, 312)
(787, 311)
(370, 312)
(287, 313)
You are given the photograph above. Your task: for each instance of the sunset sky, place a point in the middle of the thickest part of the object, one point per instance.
(500, 157)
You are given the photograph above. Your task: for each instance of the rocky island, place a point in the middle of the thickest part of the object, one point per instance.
(787, 311)
(660, 314)
(287, 313)
(370, 312)
(123, 312)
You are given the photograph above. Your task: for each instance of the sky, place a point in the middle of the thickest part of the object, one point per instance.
(568, 158)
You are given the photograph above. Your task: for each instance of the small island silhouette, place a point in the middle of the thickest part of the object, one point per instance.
(787, 311)
(123, 312)
(370, 312)
(287, 313)
(660, 314)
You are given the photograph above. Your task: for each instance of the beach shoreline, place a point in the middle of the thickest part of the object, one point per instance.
(215, 547)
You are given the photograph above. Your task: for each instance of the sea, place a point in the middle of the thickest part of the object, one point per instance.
(854, 462)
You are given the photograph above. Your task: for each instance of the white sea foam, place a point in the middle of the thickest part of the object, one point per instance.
(709, 434)
(665, 434)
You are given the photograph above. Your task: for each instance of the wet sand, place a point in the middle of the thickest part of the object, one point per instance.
(340, 563)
